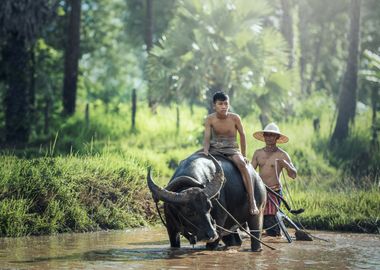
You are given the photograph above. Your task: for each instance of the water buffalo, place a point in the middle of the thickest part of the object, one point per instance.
(190, 207)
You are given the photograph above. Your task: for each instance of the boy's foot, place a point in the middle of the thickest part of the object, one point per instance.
(253, 210)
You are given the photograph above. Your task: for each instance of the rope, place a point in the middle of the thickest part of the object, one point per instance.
(292, 203)
(159, 213)
(287, 189)
(182, 216)
(241, 227)
(235, 232)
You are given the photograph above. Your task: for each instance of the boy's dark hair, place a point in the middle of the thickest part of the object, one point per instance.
(220, 95)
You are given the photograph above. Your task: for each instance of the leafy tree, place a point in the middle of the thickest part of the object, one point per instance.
(371, 73)
(145, 22)
(143, 13)
(322, 33)
(110, 65)
(347, 98)
(287, 29)
(214, 45)
(21, 23)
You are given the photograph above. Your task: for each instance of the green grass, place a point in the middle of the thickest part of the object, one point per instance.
(90, 178)
(72, 193)
(340, 210)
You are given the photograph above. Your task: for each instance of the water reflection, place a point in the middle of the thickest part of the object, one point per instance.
(149, 249)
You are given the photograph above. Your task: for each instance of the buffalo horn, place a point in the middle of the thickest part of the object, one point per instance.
(163, 194)
(214, 186)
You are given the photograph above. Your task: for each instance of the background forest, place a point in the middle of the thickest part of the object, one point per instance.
(94, 91)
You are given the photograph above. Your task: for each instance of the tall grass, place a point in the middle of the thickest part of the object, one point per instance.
(72, 193)
(90, 177)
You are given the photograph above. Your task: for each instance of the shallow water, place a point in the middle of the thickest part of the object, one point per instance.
(148, 248)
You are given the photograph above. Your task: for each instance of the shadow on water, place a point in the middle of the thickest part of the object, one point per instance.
(139, 254)
(162, 242)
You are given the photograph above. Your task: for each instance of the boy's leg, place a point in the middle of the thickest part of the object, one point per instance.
(242, 166)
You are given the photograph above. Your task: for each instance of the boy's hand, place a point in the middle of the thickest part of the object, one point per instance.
(246, 160)
(205, 152)
(283, 163)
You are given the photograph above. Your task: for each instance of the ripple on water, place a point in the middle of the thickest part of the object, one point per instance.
(149, 249)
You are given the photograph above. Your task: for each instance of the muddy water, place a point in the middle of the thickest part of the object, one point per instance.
(149, 249)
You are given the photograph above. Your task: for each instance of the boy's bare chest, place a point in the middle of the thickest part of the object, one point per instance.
(224, 127)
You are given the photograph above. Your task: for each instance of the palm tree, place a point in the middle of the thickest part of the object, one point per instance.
(213, 45)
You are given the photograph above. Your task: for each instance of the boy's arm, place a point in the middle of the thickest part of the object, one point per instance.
(207, 136)
(240, 129)
(288, 165)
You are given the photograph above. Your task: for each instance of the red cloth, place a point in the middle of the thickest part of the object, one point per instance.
(270, 207)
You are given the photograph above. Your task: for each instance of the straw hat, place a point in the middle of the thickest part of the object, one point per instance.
(271, 128)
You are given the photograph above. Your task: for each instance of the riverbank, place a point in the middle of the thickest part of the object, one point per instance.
(72, 194)
(108, 191)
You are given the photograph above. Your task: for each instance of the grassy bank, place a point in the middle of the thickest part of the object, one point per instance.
(85, 178)
(72, 193)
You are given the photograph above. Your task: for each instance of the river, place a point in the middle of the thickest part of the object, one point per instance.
(148, 248)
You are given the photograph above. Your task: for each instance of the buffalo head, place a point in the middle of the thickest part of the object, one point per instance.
(190, 207)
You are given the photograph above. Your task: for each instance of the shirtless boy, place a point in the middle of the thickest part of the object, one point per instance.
(221, 128)
(271, 160)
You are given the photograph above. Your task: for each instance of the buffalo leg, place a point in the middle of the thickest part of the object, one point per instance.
(212, 245)
(174, 237)
(232, 240)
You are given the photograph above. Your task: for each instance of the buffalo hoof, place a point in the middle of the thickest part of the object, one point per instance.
(212, 245)
(257, 249)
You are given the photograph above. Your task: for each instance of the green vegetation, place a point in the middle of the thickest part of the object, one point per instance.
(100, 184)
(63, 194)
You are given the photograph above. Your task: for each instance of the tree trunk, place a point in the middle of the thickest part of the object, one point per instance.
(149, 25)
(347, 97)
(32, 87)
(316, 62)
(16, 100)
(72, 58)
(47, 116)
(178, 121)
(375, 126)
(149, 44)
(264, 119)
(287, 29)
(304, 36)
(87, 115)
(134, 109)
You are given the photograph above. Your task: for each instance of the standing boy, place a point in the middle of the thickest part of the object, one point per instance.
(221, 129)
(271, 160)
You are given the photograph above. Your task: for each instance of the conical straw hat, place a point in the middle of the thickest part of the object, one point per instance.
(271, 128)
